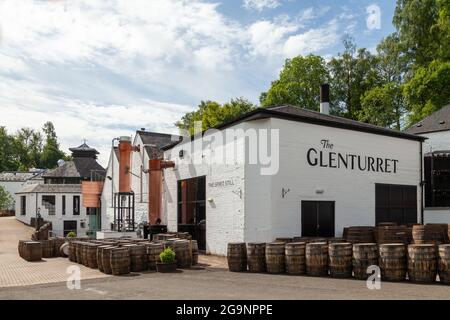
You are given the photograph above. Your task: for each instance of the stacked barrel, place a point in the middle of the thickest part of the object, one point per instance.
(295, 253)
(333, 257)
(364, 256)
(125, 255)
(30, 250)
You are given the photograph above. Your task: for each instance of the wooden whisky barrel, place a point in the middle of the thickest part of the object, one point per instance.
(57, 243)
(100, 256)
(429, 234)
(285, 240)
(72, 251)
(317, 259)
(336, 240)
(392, 261)
(444, 263)
(182, 253)
(47, 248)
(106, 259)
(91, 255)
(194, 245)
(32, 251)
(422, 263)
(364, 255)
(295, 257)
(153, 251)
(64, 250)
(340, 260)
(392, 234)
(256, 256)
(138, 257)
(237, 256)
(275, 257)
(360, 234)
(120, 261)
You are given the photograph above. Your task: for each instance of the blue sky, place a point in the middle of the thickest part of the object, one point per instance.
(103, 68)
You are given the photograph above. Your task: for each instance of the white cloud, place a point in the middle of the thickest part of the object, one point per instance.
(99, 69)
(261, 4)
(313, 40)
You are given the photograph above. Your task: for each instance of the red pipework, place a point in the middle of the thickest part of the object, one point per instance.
(155, 188)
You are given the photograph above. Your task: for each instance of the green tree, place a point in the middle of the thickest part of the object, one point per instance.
(6, 200)
(50, 152)
(383, 106)
(212, 114)
(428, 90)
(29, 148)
(352, 73)
(9, 160)
(414, 20)
(298, 84)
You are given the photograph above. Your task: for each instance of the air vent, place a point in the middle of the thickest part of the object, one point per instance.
(442, 122)
(419, 125)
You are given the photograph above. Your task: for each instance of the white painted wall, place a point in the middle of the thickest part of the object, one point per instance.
(262, 214)
(225, 213)
(352, 190)
(436, 141)
(106, 197)
(139, 161)
(57, 219)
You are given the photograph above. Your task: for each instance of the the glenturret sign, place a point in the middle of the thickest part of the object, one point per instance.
(327, 158)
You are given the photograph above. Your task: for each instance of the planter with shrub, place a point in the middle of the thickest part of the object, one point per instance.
(168, 262)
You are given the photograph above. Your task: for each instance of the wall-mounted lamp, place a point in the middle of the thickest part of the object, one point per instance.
(320, 191)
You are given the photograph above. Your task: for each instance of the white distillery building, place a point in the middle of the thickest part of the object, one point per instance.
(320, 174)
(14, 181)
(436, 160)
(59, 199)
(149, 146)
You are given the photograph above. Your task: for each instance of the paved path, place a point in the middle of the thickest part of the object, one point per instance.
(14, 271)
(211, 280)
(216, 283)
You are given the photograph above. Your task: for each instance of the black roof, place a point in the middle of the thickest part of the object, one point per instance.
(84, 162)
(159, 140)
(77, 168)
(437, 121)
(293, 113)
(84, 151)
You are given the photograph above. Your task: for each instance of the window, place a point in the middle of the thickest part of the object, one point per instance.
(437, 179)
(63, 207)
(49, 203)
(23, 205)
(76, 205)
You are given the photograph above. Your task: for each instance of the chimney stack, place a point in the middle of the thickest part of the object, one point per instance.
(325, 98)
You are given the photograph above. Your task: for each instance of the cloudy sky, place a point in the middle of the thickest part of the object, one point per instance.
(102, 68)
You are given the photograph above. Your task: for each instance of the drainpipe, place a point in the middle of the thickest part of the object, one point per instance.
(112, 170)
(421, 184)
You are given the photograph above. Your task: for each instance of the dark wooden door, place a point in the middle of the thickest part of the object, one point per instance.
(395, 203)
(317, 218)
(70, 225)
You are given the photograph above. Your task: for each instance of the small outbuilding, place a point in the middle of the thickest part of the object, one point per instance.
(285, 171)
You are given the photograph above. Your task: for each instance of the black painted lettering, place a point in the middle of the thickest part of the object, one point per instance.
(312, 161)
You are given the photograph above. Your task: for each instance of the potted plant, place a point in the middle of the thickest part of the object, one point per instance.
(168, 262)
(71, 234)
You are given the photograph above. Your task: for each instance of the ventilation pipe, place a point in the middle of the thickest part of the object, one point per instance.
(325, 98)
(155, 170)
